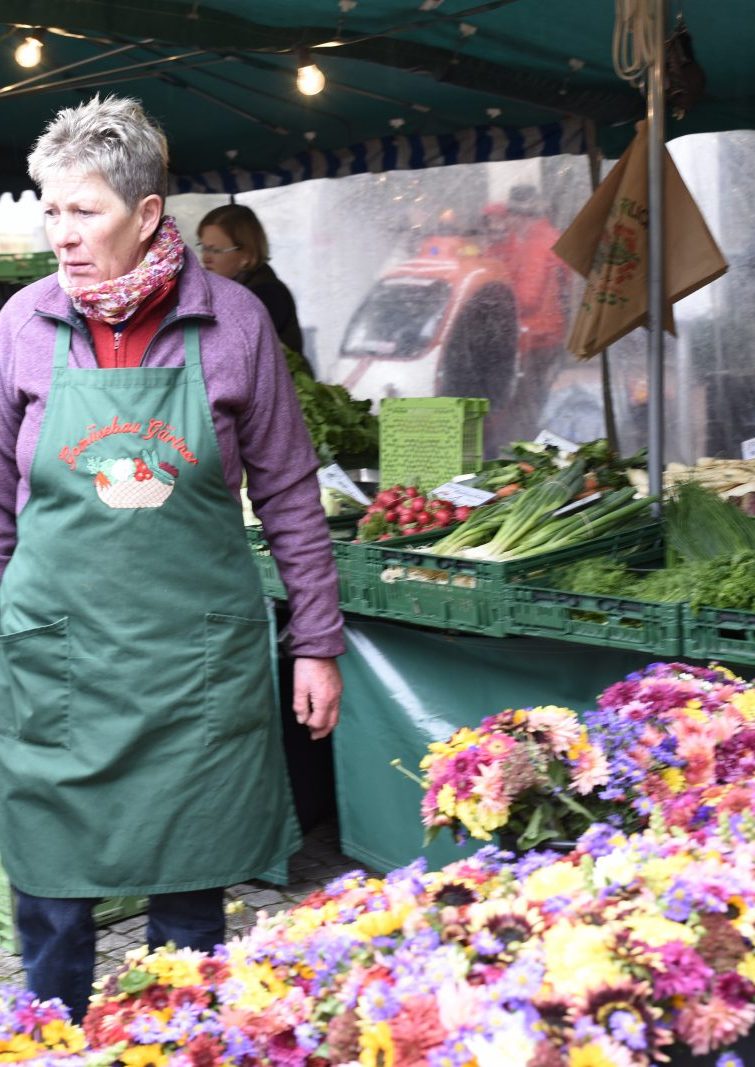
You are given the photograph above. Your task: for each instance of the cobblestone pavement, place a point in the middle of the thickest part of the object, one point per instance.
(318, 861)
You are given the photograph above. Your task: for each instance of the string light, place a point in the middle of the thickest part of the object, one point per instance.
(29, 52)
(310, 80)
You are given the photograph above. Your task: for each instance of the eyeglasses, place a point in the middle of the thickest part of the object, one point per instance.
(209, 250)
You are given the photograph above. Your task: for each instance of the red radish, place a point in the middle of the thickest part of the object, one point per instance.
(385, 537)
(391, 515)
(411, 490)
(424, 518)
(462, 513)
(419, 503)
(405, 515)
(444, 517)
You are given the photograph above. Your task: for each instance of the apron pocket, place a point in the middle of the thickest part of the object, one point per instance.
(238, 677)
(36, 665)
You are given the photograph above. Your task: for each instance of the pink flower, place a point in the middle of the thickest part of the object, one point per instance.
(708, 1025)
(591, 770)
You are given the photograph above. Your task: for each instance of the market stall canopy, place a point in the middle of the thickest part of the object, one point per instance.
(409, 83)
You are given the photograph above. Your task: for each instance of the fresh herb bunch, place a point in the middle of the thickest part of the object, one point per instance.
(724, 582)
(337, 423)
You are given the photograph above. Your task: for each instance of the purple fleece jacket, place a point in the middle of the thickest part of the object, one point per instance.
(257, 419)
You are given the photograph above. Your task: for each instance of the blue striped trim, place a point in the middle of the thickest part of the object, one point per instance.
(489, 144)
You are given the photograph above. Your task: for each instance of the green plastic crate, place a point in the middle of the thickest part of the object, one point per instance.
(341, 527)
(718, 634)
(431, 439)
(357, 589)
(272, 585)
(409, 585)
(8, 933)
(588, 619)
(26, 266)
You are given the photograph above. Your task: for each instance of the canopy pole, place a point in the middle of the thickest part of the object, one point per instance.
(656, 293)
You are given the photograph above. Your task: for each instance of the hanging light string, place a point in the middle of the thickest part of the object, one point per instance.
(633, 40)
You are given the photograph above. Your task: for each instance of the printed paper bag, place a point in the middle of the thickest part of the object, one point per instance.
(607, 244)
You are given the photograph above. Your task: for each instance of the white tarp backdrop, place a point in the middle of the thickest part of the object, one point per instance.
(413, 251)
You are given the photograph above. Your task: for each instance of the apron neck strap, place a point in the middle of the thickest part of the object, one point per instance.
(63, 343)
(191, 345)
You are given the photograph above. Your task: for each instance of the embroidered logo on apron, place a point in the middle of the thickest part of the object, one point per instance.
(141, 482)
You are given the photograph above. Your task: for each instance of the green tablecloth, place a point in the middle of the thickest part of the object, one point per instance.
(406, 686)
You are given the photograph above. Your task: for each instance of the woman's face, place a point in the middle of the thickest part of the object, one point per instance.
(220, 254)
(94, 234)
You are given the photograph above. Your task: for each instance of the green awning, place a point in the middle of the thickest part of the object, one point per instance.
(418, 75)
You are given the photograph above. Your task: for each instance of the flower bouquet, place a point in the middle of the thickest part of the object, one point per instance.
(521, 774)
(681, 740)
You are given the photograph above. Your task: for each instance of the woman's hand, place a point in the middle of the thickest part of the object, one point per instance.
(317, 694)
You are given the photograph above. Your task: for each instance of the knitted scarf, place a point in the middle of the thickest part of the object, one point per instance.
(116, 299)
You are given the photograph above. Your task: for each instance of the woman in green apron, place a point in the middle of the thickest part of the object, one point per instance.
(140, 748)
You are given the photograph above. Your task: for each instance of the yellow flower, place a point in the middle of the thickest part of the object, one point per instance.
(555, 880)
(380, 923)
(177, 967)
(19, 1047)
(59, 1034)
(659, 873)
(589, 1056)
(579, 958)
(674, 779)
(694, 710)
(746, 967)
(745, 704)
(655, 930)
(446, 800)
(376, 1046)
(143, 1056)
(261, 986)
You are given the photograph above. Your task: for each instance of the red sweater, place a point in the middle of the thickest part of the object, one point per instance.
(125, 347)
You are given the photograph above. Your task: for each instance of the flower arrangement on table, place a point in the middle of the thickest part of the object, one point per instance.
(523, 772)
(603, 958)
(679, 739)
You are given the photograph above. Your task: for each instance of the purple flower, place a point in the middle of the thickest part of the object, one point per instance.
(677, 903)
(379, 1002)
(629, 1029)
(729, 1059)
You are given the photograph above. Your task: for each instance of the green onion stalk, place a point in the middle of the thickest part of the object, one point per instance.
(528, 509)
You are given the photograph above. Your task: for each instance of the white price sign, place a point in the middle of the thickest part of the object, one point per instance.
(546, 437)
(748, 448)
(461, 495)
(334, 477)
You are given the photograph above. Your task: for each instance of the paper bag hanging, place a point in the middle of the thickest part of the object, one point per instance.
(607, 244)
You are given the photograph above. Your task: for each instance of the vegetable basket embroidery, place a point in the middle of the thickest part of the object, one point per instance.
(141, 482)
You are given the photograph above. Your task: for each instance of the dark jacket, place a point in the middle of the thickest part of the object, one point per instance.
(277, 298)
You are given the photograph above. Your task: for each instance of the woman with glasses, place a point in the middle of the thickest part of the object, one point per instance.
(233, 243)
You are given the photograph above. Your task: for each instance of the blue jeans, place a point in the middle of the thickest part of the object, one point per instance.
(58, 938)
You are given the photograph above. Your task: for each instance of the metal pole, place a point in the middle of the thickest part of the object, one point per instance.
(656, 288)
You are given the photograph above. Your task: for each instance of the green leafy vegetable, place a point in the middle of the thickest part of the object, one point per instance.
(337, 423)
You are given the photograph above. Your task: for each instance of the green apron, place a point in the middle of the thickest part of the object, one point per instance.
(140, 748)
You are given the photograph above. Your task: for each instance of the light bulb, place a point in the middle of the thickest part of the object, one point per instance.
(310, 80)
(28, 53)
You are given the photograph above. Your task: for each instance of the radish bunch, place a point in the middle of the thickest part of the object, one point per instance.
(403, 510)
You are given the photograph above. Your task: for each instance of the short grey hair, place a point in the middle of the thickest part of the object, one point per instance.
(114, 138)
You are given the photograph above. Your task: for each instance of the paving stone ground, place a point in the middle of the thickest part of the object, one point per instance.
(318, 861)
